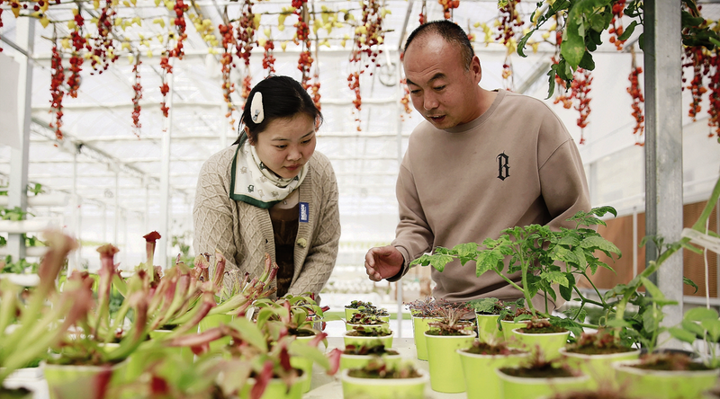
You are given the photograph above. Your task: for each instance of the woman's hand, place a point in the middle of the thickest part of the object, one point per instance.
(383, 262)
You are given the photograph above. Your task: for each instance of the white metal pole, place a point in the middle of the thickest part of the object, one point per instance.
(17, 190)
(117, 208)
(165, 200)
(223, 121)
(104, 223)
(74, 261)
(147, 207)
(398, 126)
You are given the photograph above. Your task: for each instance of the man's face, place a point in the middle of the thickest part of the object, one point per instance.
(441, 89)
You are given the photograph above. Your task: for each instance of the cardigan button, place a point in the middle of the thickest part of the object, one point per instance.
(302, 243)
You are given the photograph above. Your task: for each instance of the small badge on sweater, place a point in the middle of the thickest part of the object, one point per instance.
(302, 243)
(304, 212)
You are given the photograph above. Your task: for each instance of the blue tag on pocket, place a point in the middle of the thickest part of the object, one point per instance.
(304, 212)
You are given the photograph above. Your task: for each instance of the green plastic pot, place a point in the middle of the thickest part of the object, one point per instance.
(304, 364)
(534, 388)
(598, 367)
(445, 365)
(481, 381)
(549, 343)
(351, 326)
(508, 327)
(660, 384)
(360, 361)
(487, 327)
(383, 388)
(212, 321)
(276, 389)
(349, 312)
(360, 341)
(420, 325)
(15, 393)
(81, 382)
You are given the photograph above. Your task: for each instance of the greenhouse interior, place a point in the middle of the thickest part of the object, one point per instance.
(124, 275)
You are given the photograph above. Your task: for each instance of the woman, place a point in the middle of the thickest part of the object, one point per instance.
(270, 192)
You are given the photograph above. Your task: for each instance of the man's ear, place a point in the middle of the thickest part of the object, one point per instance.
(476, 68)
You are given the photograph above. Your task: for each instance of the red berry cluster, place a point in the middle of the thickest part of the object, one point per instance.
(137, 89)
(448, 5)
(76, 60)
(510, 21)
(180, 9)
(714, 97)
(423, 15)
(268, 62)
(354, 85)
(103, 40)
(616, 27)
(246, 88)
(1, 22)
(226, 62)
(56, 89)
(246, 33)
(637, 98)
(580, 88)
(694, 57)
(314, 90)
(164, 88)
(302, 37)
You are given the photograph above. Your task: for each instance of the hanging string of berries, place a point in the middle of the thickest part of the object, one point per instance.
(405, 100)
(226, 62)
(448, 6)
(268, 63)
(509, 24)
(694, 57)
(76, 60)
(103, 49)
(164, 87)
(580, 87)
(616, 27)
(423, 14)
(637, 99)
(180, 9)
(244, 44)
(302, 38)
(56, 88)
(1, 22)
(366, 49)
(714, 97)
(137, 90)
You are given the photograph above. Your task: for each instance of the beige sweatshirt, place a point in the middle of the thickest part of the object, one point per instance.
(514, 165)
(243, 233)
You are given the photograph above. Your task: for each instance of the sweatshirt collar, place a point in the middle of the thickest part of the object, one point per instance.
(480, 119)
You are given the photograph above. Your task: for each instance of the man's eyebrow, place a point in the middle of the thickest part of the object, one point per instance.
(437, 76)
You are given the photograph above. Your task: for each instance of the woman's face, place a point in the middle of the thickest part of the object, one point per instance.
(287, 144)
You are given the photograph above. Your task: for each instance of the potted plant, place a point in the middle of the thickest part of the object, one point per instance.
(368, 336)
(378, 380)
(27, 326)
(358, 356)
(443, 339)
(541, 335)
(381, 313)
(487, 313)
(355, 307)
(425, 311)
(514, 315)
(656, 373)
(479, 362)
(368, 321)
(594, 353)
(537, 377)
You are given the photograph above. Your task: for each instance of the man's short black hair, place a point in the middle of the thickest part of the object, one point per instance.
(451, 32)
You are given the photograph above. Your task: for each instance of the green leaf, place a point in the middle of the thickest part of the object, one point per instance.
(250, 332)
(618, 323)
(581, 261)
(587, 62)
(690, 283)
(700, 314)
(694, 328)
(687, 20)
(466, 252)
(302, 349)
(555, 277)
(489, 260)
(713, 328)
(551, 82)
(682, 335)
(572, 47)
(628, 31)
(597, 22)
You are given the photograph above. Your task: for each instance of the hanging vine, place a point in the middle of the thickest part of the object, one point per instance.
(245, 41)
(56, 88)
(302, 38)
(509, 25)
(637, 99)
(448, 6)
(226, 62)
(103, 50)
(164, 87)
(137, 95)
(180, 9)
(76, 59)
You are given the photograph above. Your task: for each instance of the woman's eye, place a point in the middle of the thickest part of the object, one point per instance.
(440, 87)
(280, 147)
(307, 141)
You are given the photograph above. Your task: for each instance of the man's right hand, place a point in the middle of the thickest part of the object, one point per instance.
(383, 262)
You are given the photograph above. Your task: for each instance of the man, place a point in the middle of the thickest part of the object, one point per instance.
(483, 161)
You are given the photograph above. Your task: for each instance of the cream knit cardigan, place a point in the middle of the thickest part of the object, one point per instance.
(243, 233)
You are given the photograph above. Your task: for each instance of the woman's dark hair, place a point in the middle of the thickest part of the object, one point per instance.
(451, 32)
(282, 97)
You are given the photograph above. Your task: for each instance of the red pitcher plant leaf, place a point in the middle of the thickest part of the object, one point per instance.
(262, 380)
(334, 358)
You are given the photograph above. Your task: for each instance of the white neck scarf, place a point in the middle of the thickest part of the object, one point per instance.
(252, 182)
